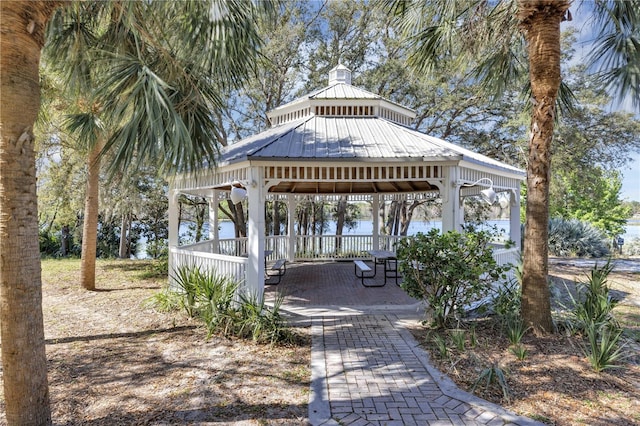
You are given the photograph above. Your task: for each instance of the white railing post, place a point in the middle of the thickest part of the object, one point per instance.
(213, 220)
(451, 205)
(173, 226)
(515, 233)
(375, 212)
(255, 234)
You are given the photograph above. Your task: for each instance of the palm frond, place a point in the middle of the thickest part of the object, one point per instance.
(616, 53)
(87, 126)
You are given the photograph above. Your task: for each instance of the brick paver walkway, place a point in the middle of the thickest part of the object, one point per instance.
(368, 370)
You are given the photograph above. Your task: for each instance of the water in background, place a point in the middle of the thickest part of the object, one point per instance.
(365, 227)
(632, 230)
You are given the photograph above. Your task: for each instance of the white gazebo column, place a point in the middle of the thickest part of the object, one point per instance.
(173, 227)
(375, 217)
(451, 202)
(515, 233)
(255, 235)
(214, 235)
(291, 227)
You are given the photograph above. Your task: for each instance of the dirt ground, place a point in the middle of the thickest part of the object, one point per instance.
(114, 360)
(555, 383)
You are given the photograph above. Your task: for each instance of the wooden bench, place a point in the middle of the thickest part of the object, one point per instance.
(279, 268)
(362, 271)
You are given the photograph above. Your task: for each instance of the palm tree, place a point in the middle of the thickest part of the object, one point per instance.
(24, 362)
(172, 130)
(509, 39)
(150, 82)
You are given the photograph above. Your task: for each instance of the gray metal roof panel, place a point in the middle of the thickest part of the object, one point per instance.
(334, 137)
(343, 91)
(348, 138)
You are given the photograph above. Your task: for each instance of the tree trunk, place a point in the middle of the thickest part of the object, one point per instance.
(407, 216)
(540, 23)
(122, 249)
(128, 240)
(276, 217)
(65, 238)
(200, 210)
(341, 215)
(90, 225)
(24, 362)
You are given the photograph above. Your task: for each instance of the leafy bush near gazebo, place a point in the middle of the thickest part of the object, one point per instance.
(449, 271)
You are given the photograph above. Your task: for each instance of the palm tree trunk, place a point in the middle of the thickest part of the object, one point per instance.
(90, 225)
(24, 362)
(540, 22)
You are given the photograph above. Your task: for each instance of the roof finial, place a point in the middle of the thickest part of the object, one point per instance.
(339, 74)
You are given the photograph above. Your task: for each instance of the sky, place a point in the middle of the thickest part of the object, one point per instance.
(631, 181)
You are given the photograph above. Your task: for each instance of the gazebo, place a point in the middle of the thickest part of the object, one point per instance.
(339, 140)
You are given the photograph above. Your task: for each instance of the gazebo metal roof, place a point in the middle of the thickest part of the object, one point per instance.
(350, 138)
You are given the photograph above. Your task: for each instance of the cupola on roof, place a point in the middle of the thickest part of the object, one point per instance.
(341, 99)
(339, 74)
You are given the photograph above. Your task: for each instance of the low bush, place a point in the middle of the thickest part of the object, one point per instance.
(448, 271)
(215, 299)
(592, 313)
(593, 303)
(494, 376)
(631, 247)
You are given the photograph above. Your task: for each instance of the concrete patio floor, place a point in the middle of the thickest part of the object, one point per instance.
(319, 288)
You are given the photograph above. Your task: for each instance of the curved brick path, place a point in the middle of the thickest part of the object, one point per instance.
(366, 367)
(368, 370)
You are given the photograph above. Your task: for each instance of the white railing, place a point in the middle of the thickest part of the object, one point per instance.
(308, 247)
(506, 255)
(327, 247)
(388, 242)
(204, 246)
(279, 245)
(219, 264)
(233, 246)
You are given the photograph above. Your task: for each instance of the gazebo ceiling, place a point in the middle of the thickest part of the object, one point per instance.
(354, 187)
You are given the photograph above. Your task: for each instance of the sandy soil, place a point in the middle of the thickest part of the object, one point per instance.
(114, 360)
(554, 383)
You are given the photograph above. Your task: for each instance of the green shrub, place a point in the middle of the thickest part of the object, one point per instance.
(441, 344)
(592, 315)
(448, 271)
(576, 238)
(603, 350)
(506, 300)
(165, 300)
(493, 376)
(515, 330)
(459, 338)
(519, 351)
(215, 300)
(593, 304)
